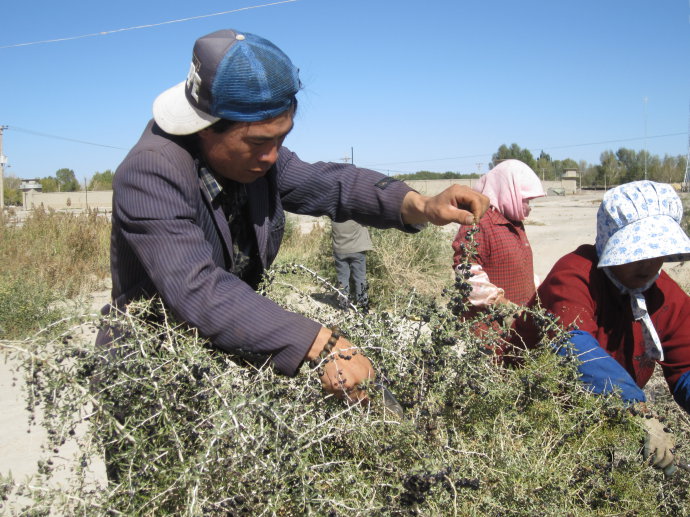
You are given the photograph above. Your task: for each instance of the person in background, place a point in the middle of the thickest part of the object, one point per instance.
(199, 209)
(498, 250)
(625, 314)
(351, 241)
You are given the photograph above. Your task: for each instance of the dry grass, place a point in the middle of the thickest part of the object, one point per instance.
(49, 257)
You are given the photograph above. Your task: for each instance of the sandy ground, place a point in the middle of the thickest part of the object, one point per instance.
(20, 443)
(559, 224)
(556, 226)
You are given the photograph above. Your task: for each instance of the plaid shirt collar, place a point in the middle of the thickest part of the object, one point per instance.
(211, 184)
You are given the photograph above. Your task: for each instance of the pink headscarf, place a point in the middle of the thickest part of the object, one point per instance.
(509, 186)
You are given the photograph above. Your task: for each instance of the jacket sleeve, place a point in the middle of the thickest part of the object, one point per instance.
(682, 391)
(671, 322)
(565, 293)
(158, 208)
(599, 372)
(341, 192)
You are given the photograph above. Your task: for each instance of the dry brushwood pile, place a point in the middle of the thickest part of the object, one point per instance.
(189, 430)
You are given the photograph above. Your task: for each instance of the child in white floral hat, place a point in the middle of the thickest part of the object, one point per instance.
(624, 313)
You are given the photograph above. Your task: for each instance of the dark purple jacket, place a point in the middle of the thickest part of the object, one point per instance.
(169, 238)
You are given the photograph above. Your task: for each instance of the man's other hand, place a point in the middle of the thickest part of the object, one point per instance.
(456, 204)
(343, 370)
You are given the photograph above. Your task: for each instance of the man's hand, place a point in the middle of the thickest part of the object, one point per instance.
(456, 204)
(344, 369)
(658, 446)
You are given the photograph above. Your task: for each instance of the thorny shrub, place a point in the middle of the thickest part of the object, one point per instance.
(189, 430)
(193, 431)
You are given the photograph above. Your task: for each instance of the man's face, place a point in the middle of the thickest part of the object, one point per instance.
(247, 150)
(636, 274)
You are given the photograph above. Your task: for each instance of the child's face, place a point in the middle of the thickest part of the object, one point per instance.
(637, 274)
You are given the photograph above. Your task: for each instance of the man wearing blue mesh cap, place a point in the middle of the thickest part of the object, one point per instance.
(199, 207)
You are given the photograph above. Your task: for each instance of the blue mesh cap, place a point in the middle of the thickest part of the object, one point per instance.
(233, 76)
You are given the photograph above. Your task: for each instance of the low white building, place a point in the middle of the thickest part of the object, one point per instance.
(33, 184)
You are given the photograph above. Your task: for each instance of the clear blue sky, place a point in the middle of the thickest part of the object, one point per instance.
(402, 85)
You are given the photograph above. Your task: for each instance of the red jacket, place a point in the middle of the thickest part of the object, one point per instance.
(579, 293)
(504, 253)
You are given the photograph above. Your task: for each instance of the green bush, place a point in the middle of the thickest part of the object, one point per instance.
(193, 431)
(50, 258)
(25, 306)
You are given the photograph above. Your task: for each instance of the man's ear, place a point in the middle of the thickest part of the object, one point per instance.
(203, 135)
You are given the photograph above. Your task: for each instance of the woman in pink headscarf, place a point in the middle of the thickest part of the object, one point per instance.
(501, 256)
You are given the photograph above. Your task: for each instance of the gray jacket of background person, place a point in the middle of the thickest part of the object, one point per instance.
(168, 238)
(350, 237)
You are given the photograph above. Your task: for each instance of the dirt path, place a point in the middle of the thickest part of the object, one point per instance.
(20, 445)
(557, 225)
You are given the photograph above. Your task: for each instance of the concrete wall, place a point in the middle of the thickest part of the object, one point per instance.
(433, 187)
(100, 199)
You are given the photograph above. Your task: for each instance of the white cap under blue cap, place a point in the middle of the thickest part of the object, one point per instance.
(234, 76)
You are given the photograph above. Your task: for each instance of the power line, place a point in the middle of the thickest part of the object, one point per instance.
(151, 25)
(613, 141)
(56, 137)
(372, 165)
(532, 148)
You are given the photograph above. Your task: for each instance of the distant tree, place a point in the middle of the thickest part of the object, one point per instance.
(49, 184)
(544, 156)
(671, 169)
(428, 175)
(514, 151)
(632, 163)
(588, 173)
(559, 167)
(544, 167)
(102, 180)
(610, 171)
(654, 170)
(621, 166)
(67, 180)
(11, 192)
(627, 165)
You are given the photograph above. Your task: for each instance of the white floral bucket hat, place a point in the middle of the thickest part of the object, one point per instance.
(638, 221)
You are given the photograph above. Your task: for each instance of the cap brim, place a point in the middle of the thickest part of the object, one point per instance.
(173, 113)
(648, 238)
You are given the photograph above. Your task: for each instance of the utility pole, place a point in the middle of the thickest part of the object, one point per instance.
(685, 187)
(645, 138)
(3, 161)
(351, 158)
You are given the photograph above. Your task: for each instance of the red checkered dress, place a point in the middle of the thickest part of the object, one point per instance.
(504, 253)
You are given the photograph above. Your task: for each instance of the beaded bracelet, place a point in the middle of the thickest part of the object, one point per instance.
(336, 334)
